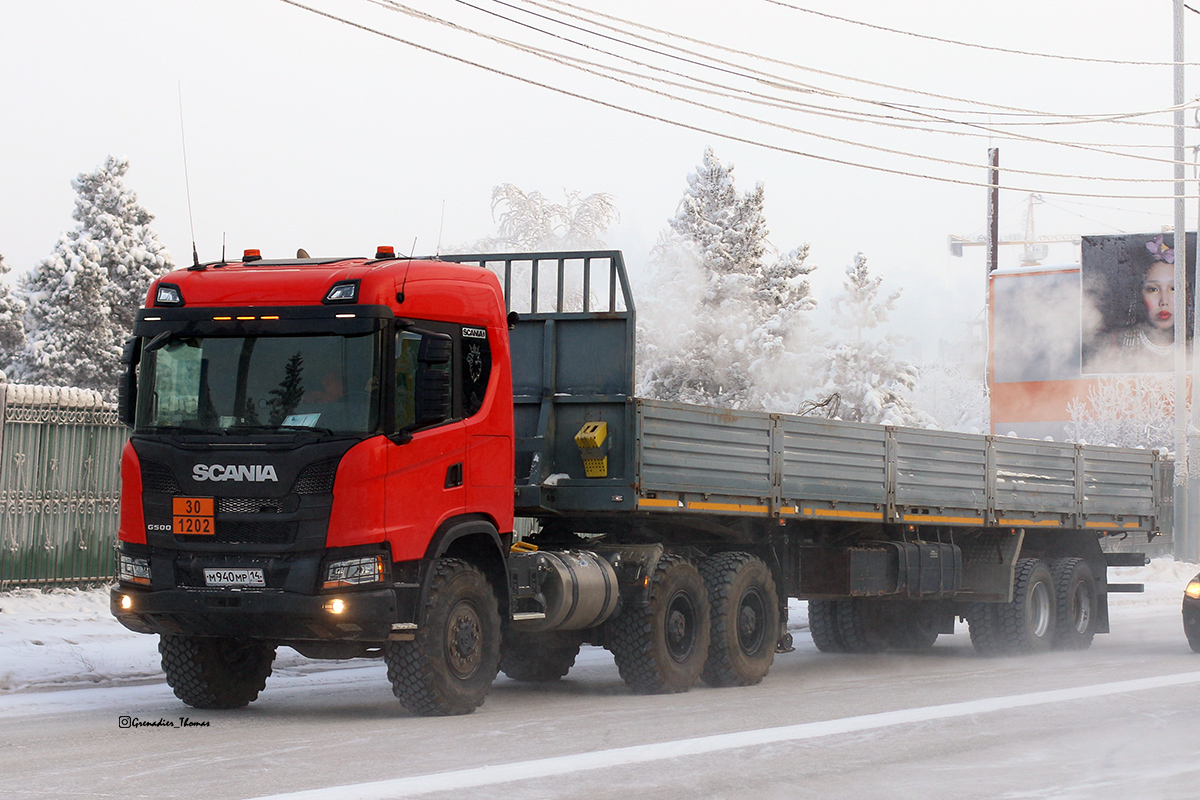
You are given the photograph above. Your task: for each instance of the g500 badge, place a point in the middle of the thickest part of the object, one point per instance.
(192, 516)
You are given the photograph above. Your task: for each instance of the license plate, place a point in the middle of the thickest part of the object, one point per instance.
(234, 577)
(192, 516)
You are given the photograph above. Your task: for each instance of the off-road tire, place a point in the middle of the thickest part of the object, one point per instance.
(911, 628)
(1024, 626)
(215, 672)
(823, 625)
(862, 625)
(660, 645)
(744, 613)
(450, 665)
(1076, 603)
(539, 657)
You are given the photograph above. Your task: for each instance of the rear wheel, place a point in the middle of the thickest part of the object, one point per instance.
(539, 657)
(823, 625)
(450, 665)
(1075, 598)
(216, 672)
(744, 613)
(660, 646)
(1025, 625)
(913, 626)
(863, 625)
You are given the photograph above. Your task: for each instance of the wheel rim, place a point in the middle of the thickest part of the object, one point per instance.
(681, 626)
(1039, 603)
(1081, 607)
(751, 622)
(464, 640)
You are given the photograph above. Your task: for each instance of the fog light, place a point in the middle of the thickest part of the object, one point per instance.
(1193, 590)
(335, 606)
(126, 602)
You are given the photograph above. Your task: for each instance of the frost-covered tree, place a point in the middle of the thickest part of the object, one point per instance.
(726, 324)
(870, 382)
(530, 222)
(1129, 411)
(12, 324)
(82, 299)
(955, 399)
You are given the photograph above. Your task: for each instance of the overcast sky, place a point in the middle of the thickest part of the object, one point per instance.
(303, 131)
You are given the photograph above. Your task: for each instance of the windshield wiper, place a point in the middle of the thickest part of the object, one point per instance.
(279, 428)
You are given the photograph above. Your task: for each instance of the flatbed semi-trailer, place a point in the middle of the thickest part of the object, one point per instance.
(330, 454)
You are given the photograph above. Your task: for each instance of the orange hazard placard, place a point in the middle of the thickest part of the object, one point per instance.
(192, 516)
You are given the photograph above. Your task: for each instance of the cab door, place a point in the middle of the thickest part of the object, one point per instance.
(424, 484)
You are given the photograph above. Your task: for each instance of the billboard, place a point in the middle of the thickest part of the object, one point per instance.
(1129, 305)
(1085, 343)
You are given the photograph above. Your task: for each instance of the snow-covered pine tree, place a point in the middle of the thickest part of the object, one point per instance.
(12, 324)
(722, 329)
(82, 299)
(871, 383)
(70, 339)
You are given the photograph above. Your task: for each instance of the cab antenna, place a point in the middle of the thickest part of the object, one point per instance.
(186, 183)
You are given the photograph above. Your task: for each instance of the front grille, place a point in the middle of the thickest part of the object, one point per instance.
(250, 505)
(316, 478)
(158, 477)
(248, 533)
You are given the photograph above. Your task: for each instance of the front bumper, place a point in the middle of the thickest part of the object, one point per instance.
(270, 614)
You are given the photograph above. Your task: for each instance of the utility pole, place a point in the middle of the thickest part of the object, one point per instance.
(1185, 437)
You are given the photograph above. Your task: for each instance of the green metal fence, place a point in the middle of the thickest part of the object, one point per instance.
(60, 455)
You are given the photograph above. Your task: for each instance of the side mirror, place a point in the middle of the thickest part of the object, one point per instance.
(131, 354)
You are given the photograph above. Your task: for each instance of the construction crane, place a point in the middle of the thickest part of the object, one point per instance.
(1036, 247)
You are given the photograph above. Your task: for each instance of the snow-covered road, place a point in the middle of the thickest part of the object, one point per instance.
(1114, 722)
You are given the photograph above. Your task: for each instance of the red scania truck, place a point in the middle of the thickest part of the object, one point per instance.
(329, 454)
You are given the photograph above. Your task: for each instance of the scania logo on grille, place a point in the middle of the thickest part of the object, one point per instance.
(234, 472)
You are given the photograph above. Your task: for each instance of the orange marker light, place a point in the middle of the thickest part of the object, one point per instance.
(385, 251)
(251, 255)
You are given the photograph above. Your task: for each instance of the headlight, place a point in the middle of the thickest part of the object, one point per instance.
(1193, 590)
(133, 570)
(353, 572)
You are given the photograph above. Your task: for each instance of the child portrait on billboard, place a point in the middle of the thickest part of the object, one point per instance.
(1130, 282)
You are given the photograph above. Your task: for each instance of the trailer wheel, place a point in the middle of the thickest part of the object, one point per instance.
(1075, 595)
(660, 646)
(215, 672)
(1024, 626)
(744, 610)
(539, 657)
(823, 625)
(450, 665)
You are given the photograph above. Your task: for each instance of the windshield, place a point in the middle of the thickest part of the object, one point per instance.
(219, 384)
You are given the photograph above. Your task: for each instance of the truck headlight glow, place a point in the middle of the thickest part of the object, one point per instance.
(1193, 590)
(133, 570)
(353, 572)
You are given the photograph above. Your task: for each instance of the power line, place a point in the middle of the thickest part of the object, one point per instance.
(996, 108)
(927, 37)
(698, 128)
(590, 67)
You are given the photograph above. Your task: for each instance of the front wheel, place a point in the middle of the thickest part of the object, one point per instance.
(744, 613)
(450, 665)
(660, 645)
(216, 672)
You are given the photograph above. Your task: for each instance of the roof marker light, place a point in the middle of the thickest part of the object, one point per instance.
(345, 316)
(270, 317)
(222, 319)
(168, 294)
(244, 318)
(251, 255)
(342, 292)
(385, 251)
